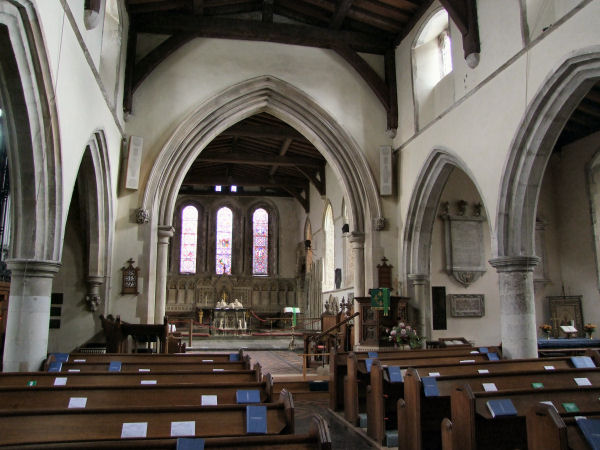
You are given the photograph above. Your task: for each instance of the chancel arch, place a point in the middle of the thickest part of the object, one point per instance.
(530, 153)
(284, 101)
(32, 142)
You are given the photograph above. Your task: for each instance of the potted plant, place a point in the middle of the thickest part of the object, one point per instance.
(547, 329)
(589, 329)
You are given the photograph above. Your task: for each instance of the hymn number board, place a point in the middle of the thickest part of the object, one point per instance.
(130, 279)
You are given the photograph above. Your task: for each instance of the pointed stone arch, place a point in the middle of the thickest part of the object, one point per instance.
(93, 182)
(419, 227)
(289, 104)
(32, 135)
(532, 147)
(33, 148)
(423, 206)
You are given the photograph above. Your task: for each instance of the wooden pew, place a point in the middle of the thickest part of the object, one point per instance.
(473, 427)
(317, 438)
(338, 365)
(422, 416)
(547, 429)
(19, 379)
(51, 399)
(160, 357)
(382, 396)
(357, 378)
(89, 424)
(117, 333)
(155, 367)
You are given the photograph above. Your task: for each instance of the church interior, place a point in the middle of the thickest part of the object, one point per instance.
(363, 223)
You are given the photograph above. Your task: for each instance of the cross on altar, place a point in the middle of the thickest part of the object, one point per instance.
(555, 320)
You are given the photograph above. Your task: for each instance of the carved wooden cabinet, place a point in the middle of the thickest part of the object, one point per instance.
(372, 321)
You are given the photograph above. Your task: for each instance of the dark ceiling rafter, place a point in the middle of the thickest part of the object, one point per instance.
(464, 14)
(347, 27)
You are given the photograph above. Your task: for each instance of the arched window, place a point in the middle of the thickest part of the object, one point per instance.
(329, 263)
(260, 242)
(224, 241)
(91, 13)
(432, 57)
(189, 239)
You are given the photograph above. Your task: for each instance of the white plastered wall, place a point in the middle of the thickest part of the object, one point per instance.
(483, 330)
(482, 125)
(202, 69)
(82, 111)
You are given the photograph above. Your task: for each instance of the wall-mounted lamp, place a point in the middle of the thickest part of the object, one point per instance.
(307, 244)
(345, 228)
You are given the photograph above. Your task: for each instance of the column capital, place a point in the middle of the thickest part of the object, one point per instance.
(357, 239)
(165, 231)
(515, 263)
(33, 268)
(417, 278)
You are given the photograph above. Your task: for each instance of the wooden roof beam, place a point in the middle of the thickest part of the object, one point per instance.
(283, 33)
(262, 160)
(464, 14)
(282, 151)
(275, 182)
(341, 11)
(303, 200)
(267, 11)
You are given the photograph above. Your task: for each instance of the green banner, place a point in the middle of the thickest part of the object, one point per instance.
(380, 299)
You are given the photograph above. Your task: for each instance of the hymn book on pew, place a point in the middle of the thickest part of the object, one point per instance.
(582, 362)
(247, 396)
(501, 407)
(395, 374)
(190, 444)
(430, 387)
(591, 430)
(256, 419)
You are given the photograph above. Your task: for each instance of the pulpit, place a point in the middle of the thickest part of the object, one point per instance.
(373, 321)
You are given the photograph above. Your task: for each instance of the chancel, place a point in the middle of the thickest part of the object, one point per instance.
(201, 179)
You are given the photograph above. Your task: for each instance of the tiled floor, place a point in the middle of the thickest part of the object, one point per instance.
(284, 364)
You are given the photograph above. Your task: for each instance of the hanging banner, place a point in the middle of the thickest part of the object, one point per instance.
(380, 299)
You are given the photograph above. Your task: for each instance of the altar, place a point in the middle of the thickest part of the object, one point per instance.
(229, 317)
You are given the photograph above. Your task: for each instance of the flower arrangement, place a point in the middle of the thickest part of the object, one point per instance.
(404, 334)
(546, 328)
(589, 328)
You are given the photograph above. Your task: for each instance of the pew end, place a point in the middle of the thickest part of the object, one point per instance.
(403, 442)
(447, 435)
(545, 429)
(285, 397)
(319, 428)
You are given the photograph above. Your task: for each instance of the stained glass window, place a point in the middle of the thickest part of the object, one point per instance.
(260, 242)
(224, 241)
(189, 239)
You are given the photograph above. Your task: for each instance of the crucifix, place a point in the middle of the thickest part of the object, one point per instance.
(554, 319)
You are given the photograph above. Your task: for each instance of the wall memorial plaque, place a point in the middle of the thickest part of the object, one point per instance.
(465, 258)
(467, 305)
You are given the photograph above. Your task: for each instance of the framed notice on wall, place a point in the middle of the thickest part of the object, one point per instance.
(466, 305)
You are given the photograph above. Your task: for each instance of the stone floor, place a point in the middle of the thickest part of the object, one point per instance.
(275, 358)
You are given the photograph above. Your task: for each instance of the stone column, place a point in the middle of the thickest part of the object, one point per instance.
(418, 285)
(357, 240)
(518, 331)
(162, 258)
(26, 344)
(92, 297)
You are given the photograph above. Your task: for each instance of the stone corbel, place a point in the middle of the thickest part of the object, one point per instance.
(92, 297)
(142, 216)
